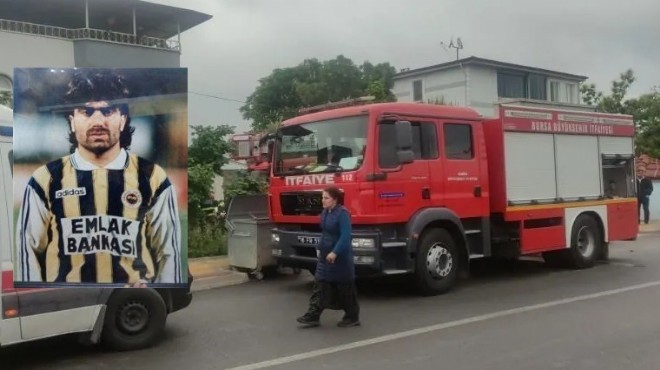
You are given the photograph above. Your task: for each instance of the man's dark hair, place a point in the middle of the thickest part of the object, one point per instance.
(93, 85)
(335, 193)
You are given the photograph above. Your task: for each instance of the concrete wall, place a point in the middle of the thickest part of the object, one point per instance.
(448, 84)
(451, 84)
(20, 50)
(482, 89)
(102, 54)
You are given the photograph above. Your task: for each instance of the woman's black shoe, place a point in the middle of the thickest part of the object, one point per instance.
(308, 321)
(345, 323)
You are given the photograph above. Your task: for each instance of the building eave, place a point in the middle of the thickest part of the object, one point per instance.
(475, 61)
(152, 19)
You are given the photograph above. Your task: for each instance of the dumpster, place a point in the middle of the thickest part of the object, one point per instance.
(249, 234)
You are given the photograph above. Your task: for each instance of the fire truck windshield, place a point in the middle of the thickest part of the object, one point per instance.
(322, 146)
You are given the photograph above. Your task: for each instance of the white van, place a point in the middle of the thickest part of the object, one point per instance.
(125, 318)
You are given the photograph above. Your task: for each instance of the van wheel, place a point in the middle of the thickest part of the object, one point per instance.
(135, 318)
(437, 264)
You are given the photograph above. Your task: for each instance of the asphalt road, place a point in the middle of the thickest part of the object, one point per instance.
(519, 316)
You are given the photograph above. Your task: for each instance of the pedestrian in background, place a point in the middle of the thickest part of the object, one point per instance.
(644, 190)
(334, 285)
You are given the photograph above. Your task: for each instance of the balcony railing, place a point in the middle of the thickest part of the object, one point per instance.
(88, 34)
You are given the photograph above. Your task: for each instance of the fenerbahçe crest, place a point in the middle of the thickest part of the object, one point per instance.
(131, 198)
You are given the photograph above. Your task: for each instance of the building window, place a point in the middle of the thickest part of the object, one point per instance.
(571, 93)
(458, 141)
(554, 91)
(563, 92)
(511, 85)
(537, 87)
(424, 140)
(417, 91)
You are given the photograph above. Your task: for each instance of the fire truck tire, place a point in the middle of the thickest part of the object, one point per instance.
(437, 264)
(586, 243)
(135, 319)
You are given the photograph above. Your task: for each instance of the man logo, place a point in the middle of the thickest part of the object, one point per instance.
(131, 198)
(73, 192)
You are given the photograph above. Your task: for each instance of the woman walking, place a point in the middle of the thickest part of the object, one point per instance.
(334, 285)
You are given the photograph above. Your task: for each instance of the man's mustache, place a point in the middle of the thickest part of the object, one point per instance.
(97, 130)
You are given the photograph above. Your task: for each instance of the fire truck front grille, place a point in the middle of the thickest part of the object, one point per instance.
(301, 203)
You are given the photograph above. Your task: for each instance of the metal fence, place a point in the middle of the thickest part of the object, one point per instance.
(88, 34)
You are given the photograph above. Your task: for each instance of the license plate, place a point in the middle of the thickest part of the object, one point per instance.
(312, 240)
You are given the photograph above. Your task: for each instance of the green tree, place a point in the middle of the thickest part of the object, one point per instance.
(589, 94)
(645, 110)
(244, 184)
(614, 102)
(281, 94)
(275, 97)
(206, 156)
(379, 80)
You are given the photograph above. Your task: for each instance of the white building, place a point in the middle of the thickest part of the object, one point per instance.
(480, 83)
(90, 33)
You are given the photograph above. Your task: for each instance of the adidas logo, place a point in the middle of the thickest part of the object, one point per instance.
(74, 192)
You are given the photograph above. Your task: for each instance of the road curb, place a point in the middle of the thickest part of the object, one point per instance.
(208, 266)
(230, 278)
(652, 227)
(214, 272)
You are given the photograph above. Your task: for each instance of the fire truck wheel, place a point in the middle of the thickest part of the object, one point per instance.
(135, 319)
(586, 243)
(437, 262)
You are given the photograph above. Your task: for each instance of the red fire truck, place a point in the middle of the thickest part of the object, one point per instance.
(254, 149)
(431, 187)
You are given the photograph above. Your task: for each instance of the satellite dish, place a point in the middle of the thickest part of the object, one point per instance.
(459, 43)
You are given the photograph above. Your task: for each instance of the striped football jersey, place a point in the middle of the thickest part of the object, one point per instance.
(99, 225)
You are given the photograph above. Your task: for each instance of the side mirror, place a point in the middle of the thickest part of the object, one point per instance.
(404, 151)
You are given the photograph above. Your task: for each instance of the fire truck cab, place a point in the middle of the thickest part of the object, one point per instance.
(431, 187)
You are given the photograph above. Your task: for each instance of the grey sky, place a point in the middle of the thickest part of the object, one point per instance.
(246, 39)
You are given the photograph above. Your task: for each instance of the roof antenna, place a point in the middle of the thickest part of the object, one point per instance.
(458, 46)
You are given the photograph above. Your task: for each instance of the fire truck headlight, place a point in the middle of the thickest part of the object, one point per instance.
(275, 238)
(363, 243)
